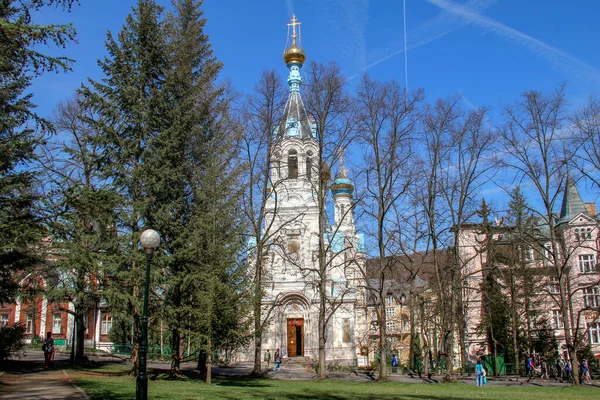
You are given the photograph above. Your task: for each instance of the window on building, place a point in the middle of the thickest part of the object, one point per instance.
(528, 254)
(405, 323)
(29, 324)
(56, 323)
(106, 326)
(308, 168)
(3, 319)
(594, 331)
(586, 263)
(553, 286)
(390, 326)
(293, 247)
(346, 334)
(390, 312)
(578, 235)
(277, 163)
(591, 297)
(293, 164)
(557, 319)
(588, 233)
(547, 252)
(389, 300)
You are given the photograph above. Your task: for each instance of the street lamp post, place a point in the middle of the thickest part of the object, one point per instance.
(149, 240)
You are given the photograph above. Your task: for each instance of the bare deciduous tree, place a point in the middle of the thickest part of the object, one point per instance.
(386, 120)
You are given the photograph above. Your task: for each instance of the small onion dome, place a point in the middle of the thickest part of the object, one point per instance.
(342, 185)
(294, 54)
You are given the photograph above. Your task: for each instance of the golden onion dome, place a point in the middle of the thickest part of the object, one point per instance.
(294, 54)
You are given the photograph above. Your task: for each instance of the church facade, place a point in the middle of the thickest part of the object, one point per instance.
(301, 256)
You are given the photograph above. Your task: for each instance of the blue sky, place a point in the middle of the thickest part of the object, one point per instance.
(489, 51)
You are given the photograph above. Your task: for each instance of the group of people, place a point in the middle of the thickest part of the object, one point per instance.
(277, 359)
(563, 370)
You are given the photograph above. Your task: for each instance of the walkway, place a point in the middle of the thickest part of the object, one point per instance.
(27, 380)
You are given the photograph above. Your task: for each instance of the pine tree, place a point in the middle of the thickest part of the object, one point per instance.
(196, 190)
(131, 112)
(20, 63)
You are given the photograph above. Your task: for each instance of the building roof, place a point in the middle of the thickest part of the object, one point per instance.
(572, 205)
(294, 122)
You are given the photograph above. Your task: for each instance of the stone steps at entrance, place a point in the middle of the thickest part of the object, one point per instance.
(297, 361)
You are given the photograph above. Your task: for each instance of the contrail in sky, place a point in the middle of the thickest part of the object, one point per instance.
(422, 35)
(554, 55)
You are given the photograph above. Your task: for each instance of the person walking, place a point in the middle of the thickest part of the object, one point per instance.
(479, 373)
(544, 369)
(48, 349)
(277, 360)
(394, 364)
(268, 357)
(585, 372)
(529, 368)
(568, 373)
(560, 369)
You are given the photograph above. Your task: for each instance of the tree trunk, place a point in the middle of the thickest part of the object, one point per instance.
(382, 347)
(257, 369)
(257, 311)
(80, 350)
(33, 324)
(411, 305)
(135, 347)
(568, 322)
(73, 339)
(209, 363)
(322, 330)
(176, 351)
(202, 362)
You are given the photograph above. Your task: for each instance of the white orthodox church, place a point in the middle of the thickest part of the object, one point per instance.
(291, 295)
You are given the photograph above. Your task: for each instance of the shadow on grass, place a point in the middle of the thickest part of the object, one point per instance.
(98, 390)
(244, 382)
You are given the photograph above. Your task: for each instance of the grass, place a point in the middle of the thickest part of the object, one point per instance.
(112, 383)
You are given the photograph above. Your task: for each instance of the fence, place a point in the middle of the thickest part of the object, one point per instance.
(125, 349)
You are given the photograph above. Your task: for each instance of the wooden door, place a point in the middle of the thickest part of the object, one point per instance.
(291, 339)
(300, 340)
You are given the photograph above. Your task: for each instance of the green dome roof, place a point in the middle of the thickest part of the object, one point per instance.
(342, 185)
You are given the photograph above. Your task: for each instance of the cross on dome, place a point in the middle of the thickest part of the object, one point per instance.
(293, 24)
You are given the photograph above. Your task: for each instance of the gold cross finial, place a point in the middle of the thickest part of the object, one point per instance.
(293, 25)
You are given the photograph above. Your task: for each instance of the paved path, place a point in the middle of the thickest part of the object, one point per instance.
(27, 380)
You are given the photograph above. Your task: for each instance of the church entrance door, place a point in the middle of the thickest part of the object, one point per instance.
(295, 337)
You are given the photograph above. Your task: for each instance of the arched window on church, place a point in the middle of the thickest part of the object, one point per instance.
(277, 165)
(293, 164)
(293, 247)
(309, 165)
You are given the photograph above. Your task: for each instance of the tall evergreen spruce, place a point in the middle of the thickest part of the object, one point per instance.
(197, 192)
(131, 108)
(167, 149)
(20, 62)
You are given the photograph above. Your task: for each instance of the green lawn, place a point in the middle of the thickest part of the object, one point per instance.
(111, 384)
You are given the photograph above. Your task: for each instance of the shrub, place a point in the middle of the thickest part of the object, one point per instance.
(11, 340)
